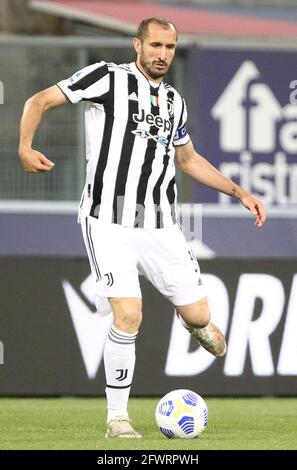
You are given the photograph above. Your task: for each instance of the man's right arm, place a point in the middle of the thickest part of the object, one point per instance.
(32, 160)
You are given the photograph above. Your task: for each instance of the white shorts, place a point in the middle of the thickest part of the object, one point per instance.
(118, 255)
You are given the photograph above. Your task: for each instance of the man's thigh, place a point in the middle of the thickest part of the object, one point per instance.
(112, 259)
(170, 265)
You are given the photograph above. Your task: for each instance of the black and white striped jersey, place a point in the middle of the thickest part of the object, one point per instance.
(132, 126)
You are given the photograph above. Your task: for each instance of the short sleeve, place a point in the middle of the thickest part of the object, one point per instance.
(89, 84)
(181, 136)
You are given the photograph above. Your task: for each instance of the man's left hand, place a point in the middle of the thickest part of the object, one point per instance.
(256, 207)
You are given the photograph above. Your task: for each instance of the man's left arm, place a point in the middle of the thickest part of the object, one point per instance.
(194, 165)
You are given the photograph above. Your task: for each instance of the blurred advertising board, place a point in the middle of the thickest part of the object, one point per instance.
(244, 120)
(52, 340)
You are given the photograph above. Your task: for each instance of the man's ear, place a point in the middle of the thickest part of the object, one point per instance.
(137, 45)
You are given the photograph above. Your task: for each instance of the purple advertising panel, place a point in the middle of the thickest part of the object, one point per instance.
(243, 118)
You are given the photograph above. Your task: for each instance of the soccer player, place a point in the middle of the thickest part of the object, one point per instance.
(135, 126)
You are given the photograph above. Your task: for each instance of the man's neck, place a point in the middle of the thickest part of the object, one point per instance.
(157, 81)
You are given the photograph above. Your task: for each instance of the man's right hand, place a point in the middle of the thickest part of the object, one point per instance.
(34, 162)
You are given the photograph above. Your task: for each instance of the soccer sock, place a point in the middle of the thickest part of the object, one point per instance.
(119, 361)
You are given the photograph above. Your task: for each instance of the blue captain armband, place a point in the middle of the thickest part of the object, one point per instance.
(180, 133)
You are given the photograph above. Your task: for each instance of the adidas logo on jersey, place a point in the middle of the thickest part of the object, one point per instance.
(132, 97)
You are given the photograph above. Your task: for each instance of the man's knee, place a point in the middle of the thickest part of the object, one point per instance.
(127, 313)
(196, 314)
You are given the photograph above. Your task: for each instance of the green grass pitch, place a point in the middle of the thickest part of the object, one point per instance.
(79, 423)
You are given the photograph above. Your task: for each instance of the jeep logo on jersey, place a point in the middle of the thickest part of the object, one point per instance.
(152, 120)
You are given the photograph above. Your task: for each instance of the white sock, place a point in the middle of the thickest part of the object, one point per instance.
(119, 361)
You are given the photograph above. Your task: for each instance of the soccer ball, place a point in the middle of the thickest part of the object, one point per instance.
(181, 413)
